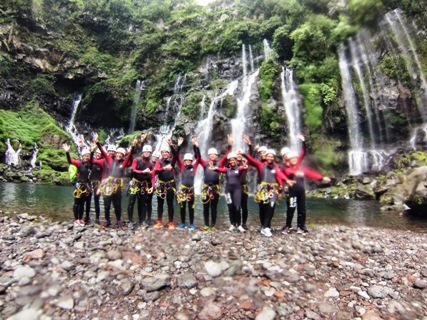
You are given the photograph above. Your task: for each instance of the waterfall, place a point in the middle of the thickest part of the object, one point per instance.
(357, 158)
(70, 128)
(251, 59)
(244, 62)
(268, 52)
(139, 87)
(413, 65)
(12, 156)
(204, 130)
(356, 63)
(34, 156)
(166, 130)
(292, 104)
(370, 64)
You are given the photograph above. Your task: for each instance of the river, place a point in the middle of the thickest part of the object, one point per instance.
(56, 202)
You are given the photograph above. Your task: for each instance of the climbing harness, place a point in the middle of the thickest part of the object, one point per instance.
(266, 192)
(162, 188)
(81, 188)
(110, 186)
(208, 192)
(184, 194)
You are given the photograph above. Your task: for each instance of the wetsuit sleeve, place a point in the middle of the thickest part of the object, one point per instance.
(104, 153)
(99, 162)
(223, 160)
(77, 163)
(158, 168)
(253, 162)
(180, 163)
(198, 155)
(128, 158)
(312, 174)
(221, 169)
(153, 178)
(134, 165)
(281, 175)
(196, 164)
(302, 153)
(250, 149)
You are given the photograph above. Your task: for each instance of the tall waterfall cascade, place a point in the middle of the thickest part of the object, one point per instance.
(139, 87)
(70, 127)
(292, 106)
(173, 104)
(369, 109)
(204, 129)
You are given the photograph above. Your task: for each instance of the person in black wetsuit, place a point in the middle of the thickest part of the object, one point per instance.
(211, 189)
(141, 187)
(233, 190)
(82, 188)
(165, 189)
(112, 186)
(270, 185)
(297, 191)
(96, 177)
(185, 195)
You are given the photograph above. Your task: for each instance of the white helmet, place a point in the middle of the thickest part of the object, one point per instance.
(165, 147)
(262, 148)
(292, 154)
(156, 154)
(232, 155)
(85, 151)
(111, 147)
(147, 148)
(121, 150)
(188, 156)
(271, 151)
(97, 150)
(284, 151)
(212, 151)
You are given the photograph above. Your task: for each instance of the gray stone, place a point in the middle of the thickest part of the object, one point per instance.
(67, 265)
(22, 272)
(213, 269)
(27, 231)
(155, 283)
(211, 311)
(27, 314)
(326, 308)
(266, 313)
(378, 291)
(127, 286)
(114, 255)
(420, 284)
(186, 281)
(65, 302)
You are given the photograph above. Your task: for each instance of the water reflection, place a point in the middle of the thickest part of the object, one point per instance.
(57, 202)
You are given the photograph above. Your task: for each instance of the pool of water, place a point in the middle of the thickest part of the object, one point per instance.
(56, 202)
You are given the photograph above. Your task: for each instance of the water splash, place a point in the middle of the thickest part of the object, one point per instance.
(12, 156)
(34, 156)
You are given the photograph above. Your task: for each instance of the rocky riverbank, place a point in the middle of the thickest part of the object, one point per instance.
(51, 270)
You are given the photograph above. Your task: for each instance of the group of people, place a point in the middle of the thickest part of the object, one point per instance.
(165, 174)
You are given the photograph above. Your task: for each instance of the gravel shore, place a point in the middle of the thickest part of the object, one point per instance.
(52, 270)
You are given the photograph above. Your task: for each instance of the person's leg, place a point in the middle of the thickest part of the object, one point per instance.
(301, 211)
(214, 206)
(170, 196)
(131, 205)
(245, 211)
